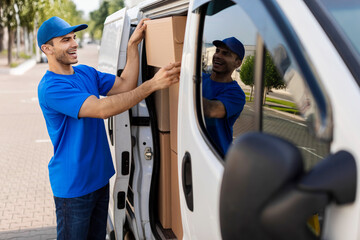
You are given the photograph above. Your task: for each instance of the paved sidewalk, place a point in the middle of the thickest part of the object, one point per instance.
(27, 208)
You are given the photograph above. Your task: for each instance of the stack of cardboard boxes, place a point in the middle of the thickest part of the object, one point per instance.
(163, 41)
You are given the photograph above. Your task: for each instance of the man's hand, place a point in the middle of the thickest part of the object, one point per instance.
(166, 76)
(139, 33)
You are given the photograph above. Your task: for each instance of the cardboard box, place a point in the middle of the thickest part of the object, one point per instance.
(165, 181)
(164, 40)
(176, 223)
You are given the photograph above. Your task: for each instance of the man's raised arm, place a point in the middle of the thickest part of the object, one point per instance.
(118, 103)
(128, 79)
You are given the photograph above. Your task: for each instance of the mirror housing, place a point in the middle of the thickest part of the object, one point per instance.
(257, 166)
(266, 195)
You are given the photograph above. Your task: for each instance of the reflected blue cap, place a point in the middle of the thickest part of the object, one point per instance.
(233, 44)
(55, 27)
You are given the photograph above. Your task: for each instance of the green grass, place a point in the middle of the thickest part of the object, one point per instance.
(275, 100)
(21, 54)
(284, 109)
(15, 61)
(14, 64)
(24, 56)
(288, 106)
(282, 102)
(3, 53)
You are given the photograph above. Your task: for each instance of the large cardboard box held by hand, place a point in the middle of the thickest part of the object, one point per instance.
(164, 40)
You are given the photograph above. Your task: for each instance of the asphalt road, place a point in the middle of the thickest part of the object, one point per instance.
(291, 127)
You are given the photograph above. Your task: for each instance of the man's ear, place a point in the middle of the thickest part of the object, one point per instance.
(46, 48)
(237, 62)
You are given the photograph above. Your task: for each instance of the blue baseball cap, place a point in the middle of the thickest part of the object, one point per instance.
(233, 44)
(56, 27)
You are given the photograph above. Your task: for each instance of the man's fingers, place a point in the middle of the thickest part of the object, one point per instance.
(177, 64)
(144, 19)
(175, 70)
(169, 66)
(140, 29)
(175, 80)
(172, 65)
(141, 23)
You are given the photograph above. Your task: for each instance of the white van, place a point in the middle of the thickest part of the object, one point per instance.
(291, 171)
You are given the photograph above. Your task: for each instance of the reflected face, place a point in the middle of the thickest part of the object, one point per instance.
(225, 61)
(65, 49)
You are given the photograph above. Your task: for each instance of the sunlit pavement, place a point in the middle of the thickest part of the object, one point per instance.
(27, 208)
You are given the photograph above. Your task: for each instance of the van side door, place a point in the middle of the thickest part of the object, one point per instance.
(282, 171)
(112, 59)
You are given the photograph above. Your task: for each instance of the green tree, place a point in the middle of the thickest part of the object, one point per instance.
(8, 20)
(2, 31)
(97, 17)
(32, 12)
(271, 75)
(115, 5)
(247, 73)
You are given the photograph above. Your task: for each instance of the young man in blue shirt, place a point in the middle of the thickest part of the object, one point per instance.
(223, 99)
(81, 166)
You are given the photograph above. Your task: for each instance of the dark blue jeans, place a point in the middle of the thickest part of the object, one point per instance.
(83, 217)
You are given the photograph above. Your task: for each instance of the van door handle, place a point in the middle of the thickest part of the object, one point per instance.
(187, 181)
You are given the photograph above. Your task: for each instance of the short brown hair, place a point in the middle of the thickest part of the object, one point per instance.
(50, 42)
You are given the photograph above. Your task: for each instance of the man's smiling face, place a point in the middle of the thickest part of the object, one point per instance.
(224, 60)
(65, 49)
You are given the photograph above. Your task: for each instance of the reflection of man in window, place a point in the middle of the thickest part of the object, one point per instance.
(223, 99)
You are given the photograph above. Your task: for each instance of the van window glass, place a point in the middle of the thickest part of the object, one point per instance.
(227, 96)
(282, 115)
(227, 87)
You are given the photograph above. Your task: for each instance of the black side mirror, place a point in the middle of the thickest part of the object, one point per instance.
(257, 166)
(266, 195)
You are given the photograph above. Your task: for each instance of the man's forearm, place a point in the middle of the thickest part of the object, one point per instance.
(131, 71)
(213, 108)
(115, 104)
(118, 103)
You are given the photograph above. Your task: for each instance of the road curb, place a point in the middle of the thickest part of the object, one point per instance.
(19, 70)
(23, 67)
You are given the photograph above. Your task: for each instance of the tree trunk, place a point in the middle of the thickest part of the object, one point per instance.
(10, 42)
(31, 43)
(1, 39)
(264, 95)
(18, 41)
(251, 92)
(26, 41)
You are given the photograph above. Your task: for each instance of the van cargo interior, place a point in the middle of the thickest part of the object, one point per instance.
(164, 195)
(164, 204)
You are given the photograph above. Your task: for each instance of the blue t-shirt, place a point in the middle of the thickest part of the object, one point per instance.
(82, 160)
(233, 98)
